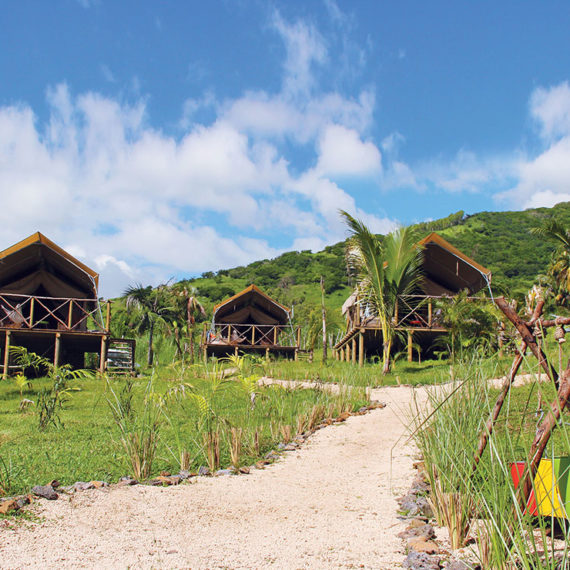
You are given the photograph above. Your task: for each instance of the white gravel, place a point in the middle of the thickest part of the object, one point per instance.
(330, 504)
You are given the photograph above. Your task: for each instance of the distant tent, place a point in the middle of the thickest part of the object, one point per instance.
(251, 306)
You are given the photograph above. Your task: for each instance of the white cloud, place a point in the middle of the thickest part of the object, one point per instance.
(551, 109)
(342, 152)
(138, 204)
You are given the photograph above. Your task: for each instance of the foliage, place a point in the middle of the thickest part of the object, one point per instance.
(559, 267)
(383, 271)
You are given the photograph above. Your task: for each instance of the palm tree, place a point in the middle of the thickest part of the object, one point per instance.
(192, 308)
(149, 306)
(559, 268)
(384, 271)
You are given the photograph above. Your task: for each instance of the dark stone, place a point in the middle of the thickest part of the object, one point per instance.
(124, 481)
(82, 486)
(184, 475)
(291, 447)
(280, 446)
(413, 531)
(203, 471)
(272, 456)
(223, 472)
(424, 507)
(45, 491)
(421, 561)
(244, 470)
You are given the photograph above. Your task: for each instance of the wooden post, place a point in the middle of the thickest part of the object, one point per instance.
(108, 318)
(296, 354)
(32, 312)
(348, 352)
(324, 317)
(354, 349)
(236, 351)
(267, 354)
(56, 350)
(361, 348)
(429, 313)
(252, 335)
(70, 314)
(103, 356)
(341, 351)
(298, 337)
(396, 313)
(275, 335)
(6, 355)
(229, 333)
(410, 346)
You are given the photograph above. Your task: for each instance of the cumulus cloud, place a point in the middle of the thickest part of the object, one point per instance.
(343, 153)
(544, 180)
(140, 204)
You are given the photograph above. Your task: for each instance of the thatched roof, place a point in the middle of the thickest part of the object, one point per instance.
(251, 306)
(38, 266)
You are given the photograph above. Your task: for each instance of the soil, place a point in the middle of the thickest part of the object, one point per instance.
(330, 504)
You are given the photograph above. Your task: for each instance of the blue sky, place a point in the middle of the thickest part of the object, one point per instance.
(164, 139)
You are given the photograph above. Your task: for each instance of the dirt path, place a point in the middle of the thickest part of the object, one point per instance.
(330, 504)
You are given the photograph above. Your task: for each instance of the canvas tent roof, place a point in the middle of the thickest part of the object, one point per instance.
(448, 270)
(38, 266)
(251, 306)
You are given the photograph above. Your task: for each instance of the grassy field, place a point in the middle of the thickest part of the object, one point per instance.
(192, 412)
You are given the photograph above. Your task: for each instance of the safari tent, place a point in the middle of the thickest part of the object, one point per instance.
(250, 321)
(49, 304)
(445, 272)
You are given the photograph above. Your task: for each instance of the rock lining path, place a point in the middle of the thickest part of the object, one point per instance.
(330, 504)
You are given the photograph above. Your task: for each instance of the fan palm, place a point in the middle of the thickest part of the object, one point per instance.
(383, 271)
(149, 306)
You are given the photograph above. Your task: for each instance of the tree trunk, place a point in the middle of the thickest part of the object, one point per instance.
(387, 349)
(150, 339)
(191, 335)
(324, 311)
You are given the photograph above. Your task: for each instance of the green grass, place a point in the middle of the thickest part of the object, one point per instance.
(89, 445)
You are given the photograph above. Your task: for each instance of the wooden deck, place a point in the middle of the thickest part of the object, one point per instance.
(58, 328)
(223, 340)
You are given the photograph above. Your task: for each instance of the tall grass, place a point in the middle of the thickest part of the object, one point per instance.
(483, 503)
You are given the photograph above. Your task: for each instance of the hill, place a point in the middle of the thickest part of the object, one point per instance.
(501, 241)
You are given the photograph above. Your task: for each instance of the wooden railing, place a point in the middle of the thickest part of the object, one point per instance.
(252, 335)
(52, 313)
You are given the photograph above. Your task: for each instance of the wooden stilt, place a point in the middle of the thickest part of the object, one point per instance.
(341, 349)
(429, 313)
(361, 348)
(410, 346)
(348, 352)
(236, 351)
(56, 350)
(354, 350)
(267, 354)
(103, 355)
(6, 355)
(32, 304)
(108, 317)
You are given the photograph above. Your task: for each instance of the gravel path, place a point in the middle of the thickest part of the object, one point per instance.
(330, 504)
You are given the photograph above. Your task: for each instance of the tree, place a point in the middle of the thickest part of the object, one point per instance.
(150, 309)
(191, 308)
(383, 271)
(559, 268)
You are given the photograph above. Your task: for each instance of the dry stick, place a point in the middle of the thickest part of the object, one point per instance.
(488, 430)
(528, 337)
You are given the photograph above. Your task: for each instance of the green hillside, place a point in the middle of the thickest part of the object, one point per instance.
(501, 241)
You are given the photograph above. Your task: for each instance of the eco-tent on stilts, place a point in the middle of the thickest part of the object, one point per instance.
(49, 305)
(445, 272)
(250, 321)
